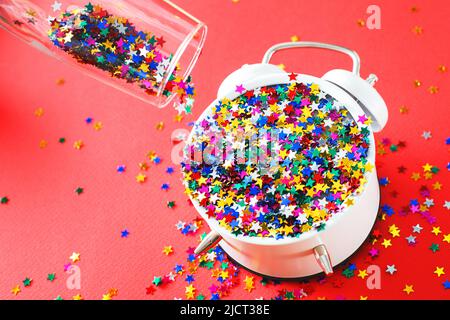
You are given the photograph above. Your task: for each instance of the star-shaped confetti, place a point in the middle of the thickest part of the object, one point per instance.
(39, 112)
(408, 289)
(27, 282)
(190, 292)
(426, 135)
(249, 283)
(78, 145)
(56, 6)
(16, 290)
(43, 144)
(141, 178)
(74, 257)
(78, 297)
(439, 271)
(417, 228)
(386, 243)
(168, 250)
(124, 233)
(434, 247)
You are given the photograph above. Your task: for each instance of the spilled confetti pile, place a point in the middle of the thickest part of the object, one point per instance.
(94, 36)
(216, 261)
(319, 163)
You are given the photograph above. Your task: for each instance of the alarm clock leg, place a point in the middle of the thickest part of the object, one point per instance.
(323, 259)
(208, 242)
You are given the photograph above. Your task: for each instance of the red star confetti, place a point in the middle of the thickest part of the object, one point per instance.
(78, 145)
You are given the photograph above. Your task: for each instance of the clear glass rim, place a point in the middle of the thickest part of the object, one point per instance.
(201, 29)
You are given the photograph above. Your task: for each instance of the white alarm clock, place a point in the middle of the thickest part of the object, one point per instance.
(313, 251)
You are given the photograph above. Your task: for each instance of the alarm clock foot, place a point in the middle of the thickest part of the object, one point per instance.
(323, 259)
(208, 242)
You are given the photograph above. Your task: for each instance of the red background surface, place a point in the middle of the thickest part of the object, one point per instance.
(45, 220)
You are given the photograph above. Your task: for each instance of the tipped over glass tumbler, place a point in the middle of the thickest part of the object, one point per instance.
(146, 48)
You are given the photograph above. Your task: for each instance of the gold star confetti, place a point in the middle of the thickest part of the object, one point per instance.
(224, 274)
(178, 118)
(113, 292)
(39, 112)
(361, 22)
(75, 257)
(78, 297)
(98, 126)
(442, 68)
(141, 178)
(428, 175)
(143, 166)
(439, 271)
(417, 30)
(386, 243)
(31, 12)
(437, 185)
(16, 290)
(79, 144)
(408, 289)
(160, 126)
(433, 89)
(294, 38)
(427, 167)
(415, 176)
(436, 231)
(363, 297)
(168, 250)
(106, 297)
(43, 144)
(381, 151)
(403, 110)
(417, 83)
(394, 231)
(60, 81)
(281, 66)
(414, 9)
(362, 274)
(249, 284)
(446, 238)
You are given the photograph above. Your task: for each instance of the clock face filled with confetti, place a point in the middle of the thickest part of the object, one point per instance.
(277, 161)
